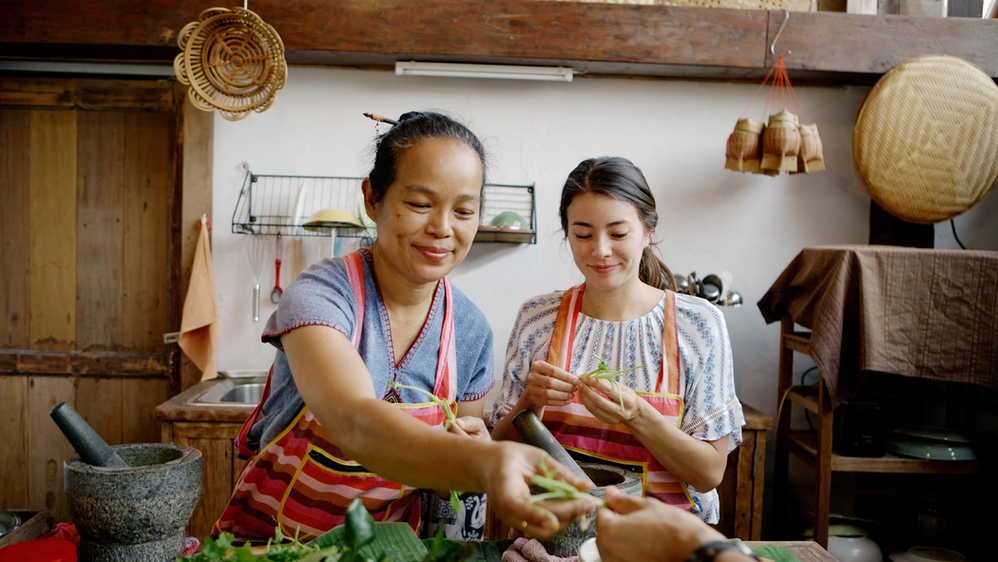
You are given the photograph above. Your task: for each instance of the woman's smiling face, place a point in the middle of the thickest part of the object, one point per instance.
(428, 217)
(607, 239)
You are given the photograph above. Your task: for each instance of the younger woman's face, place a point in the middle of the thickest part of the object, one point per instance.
(428, 217)
(607, 239)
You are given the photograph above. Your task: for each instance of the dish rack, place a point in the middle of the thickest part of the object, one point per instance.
(271, 205)
(277, 204)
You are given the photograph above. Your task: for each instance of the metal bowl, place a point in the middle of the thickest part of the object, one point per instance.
(8, 522)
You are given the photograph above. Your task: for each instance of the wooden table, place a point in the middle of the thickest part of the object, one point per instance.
(805, 551)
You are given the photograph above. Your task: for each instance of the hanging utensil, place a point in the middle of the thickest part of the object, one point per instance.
(256, 253)
(275, 294)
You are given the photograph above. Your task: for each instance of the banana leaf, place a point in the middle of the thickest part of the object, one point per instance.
(776, 553)
(390, 539)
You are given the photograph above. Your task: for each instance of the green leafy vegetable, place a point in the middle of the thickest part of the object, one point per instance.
(358, 529)
(603, 371)
(440, 549)
(455, 496)
(223, 548)
(451, 416)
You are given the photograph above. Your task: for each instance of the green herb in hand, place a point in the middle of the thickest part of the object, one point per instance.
(451, 416)
(557, 489)
(603, 371)
(455, 496)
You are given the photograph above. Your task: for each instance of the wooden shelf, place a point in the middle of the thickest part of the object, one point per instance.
(592, 38)
(804, 445)
(515, 236)
(798, 341)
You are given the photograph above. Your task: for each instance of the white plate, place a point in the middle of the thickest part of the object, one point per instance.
(588, 551)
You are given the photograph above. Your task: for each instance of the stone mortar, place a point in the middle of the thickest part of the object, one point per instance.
(134, 514)
(566, 543)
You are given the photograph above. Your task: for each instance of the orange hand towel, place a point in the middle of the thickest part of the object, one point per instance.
(199, 325)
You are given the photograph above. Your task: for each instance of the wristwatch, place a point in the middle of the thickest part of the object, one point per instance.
(709, 551)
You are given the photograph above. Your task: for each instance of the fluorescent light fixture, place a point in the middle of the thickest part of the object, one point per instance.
(502, 71)
(89, 68)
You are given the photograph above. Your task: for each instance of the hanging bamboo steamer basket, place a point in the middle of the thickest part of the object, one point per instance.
(233, 61)
(925, 140)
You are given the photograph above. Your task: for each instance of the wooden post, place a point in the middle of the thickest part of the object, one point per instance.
(782, 469)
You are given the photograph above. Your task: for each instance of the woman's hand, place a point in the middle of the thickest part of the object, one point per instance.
(507, 485)
(625, 529)
(471, 426)
(548, 385)
(600, 398)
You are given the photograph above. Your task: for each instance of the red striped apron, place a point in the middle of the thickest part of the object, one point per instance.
(303, 483)
(591, 440)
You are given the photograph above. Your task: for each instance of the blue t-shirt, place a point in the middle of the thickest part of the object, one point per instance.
(322, 295)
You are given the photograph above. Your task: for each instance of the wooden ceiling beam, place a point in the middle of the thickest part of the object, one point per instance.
(592, 37)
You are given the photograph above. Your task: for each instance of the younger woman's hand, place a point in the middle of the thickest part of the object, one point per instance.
(548, 385)
(600, 398)
(471, 426)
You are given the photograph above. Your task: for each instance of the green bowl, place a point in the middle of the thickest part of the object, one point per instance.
(510, 220)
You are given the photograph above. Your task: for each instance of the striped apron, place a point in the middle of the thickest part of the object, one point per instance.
(302, 482)
(589, 440)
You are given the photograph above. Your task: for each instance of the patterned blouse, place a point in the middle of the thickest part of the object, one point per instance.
(711, 409)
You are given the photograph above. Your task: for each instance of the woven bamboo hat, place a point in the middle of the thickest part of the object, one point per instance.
(926, 139)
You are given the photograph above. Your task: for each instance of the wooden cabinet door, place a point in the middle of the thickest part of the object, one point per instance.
(219, 465)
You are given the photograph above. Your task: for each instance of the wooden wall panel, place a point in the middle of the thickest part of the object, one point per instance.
(193, 199)
(47, 447)
(146, 180)
(14, 234)
(139, 401)
(88, 172)
(52, 272)
(100, 230)
(99, 402)
(14, 445)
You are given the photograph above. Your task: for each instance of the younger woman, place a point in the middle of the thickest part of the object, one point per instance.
(680, 416)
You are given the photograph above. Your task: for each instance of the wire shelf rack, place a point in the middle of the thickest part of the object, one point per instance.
(272, 204)
(503, 204)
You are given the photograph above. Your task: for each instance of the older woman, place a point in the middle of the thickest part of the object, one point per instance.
(335, 426)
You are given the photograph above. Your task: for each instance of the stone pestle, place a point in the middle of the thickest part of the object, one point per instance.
(533, 432)
(89, 445)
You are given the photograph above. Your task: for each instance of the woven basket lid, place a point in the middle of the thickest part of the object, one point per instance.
(926, 139)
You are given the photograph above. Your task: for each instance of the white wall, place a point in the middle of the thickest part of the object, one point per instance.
(710, 218)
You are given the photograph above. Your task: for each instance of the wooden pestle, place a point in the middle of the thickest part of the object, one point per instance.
(88, 444)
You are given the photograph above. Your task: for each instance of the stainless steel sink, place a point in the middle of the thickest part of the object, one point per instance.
(234, 391)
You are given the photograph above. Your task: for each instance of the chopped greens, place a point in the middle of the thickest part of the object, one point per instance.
(224, 548)
(603, 371)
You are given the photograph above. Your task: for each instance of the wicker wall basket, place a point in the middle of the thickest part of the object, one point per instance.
(232, 60)
(926, 139)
